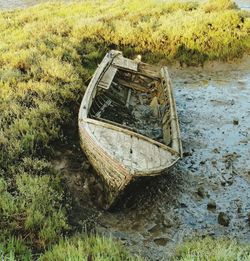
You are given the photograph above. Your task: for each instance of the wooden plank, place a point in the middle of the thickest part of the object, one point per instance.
(132, 152)
(150, 70)
(139, 158)
(96, 131)
(150, 156)
(115, 124)
(128, 132)
(125, 146)
(175, 130)
(166, 133)
(125, 63)
(108, 77)
(132, 85)
(156, 153)
(165, 157)
(90, 92)
(128, 98)
(103, 107)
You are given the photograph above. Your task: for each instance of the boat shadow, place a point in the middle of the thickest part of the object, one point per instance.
(143, 192)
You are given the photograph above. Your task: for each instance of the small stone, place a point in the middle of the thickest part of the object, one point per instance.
(161, 241)
(168, 223)
(248, 217)
(86, 165)
(214, 162)
(211, 233)
(227, 176)
(223, 219)
(223, 183)
(183, 205)
(216, 150)
(235, 122)
(187, 154)
(201, 192)
(211, 204)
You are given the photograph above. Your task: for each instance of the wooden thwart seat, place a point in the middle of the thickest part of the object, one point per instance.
(107, 78)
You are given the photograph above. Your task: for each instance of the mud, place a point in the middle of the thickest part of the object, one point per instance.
(207, 193)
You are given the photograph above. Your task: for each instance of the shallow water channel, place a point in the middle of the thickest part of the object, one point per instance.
(213, 177)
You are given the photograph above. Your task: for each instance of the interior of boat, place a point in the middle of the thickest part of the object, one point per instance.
(134, 100)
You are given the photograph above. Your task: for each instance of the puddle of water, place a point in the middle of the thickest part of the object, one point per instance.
(243, 4)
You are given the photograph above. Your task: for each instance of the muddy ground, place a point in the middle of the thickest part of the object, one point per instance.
(208, 191)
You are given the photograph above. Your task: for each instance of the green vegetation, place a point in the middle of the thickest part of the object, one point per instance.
(89, 248)
(47, 54)
(213, 250)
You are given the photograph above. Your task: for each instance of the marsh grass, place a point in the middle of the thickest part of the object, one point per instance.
(48, 53)
(212, 250)
(88, 248)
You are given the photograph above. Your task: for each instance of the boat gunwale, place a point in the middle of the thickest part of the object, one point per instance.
(129, 132)
(174, 115)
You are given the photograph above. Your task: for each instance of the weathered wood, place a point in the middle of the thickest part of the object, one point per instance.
(128, 98)
(135, 153)
(115, 124)
(108, 77)
(118, 153)
(132, 85)
(149, 70)
(126, 131)
(125, 63)
(175, 131)
(103, 107)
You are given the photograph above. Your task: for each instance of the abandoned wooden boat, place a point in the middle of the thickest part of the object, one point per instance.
(128, 122)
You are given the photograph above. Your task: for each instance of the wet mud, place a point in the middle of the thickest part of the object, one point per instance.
(206, 193)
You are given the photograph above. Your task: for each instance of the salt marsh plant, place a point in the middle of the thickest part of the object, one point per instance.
(213, 250)
(88, 248)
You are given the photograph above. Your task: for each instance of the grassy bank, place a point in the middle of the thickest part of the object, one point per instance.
(47, 54)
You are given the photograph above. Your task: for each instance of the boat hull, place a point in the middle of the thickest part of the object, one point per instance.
(118, 153)
(112, 173)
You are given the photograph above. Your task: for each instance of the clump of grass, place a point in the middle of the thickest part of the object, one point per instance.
(93, 247)
(14, 249)
(34, 209)
(214, 5)
(213, 250)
